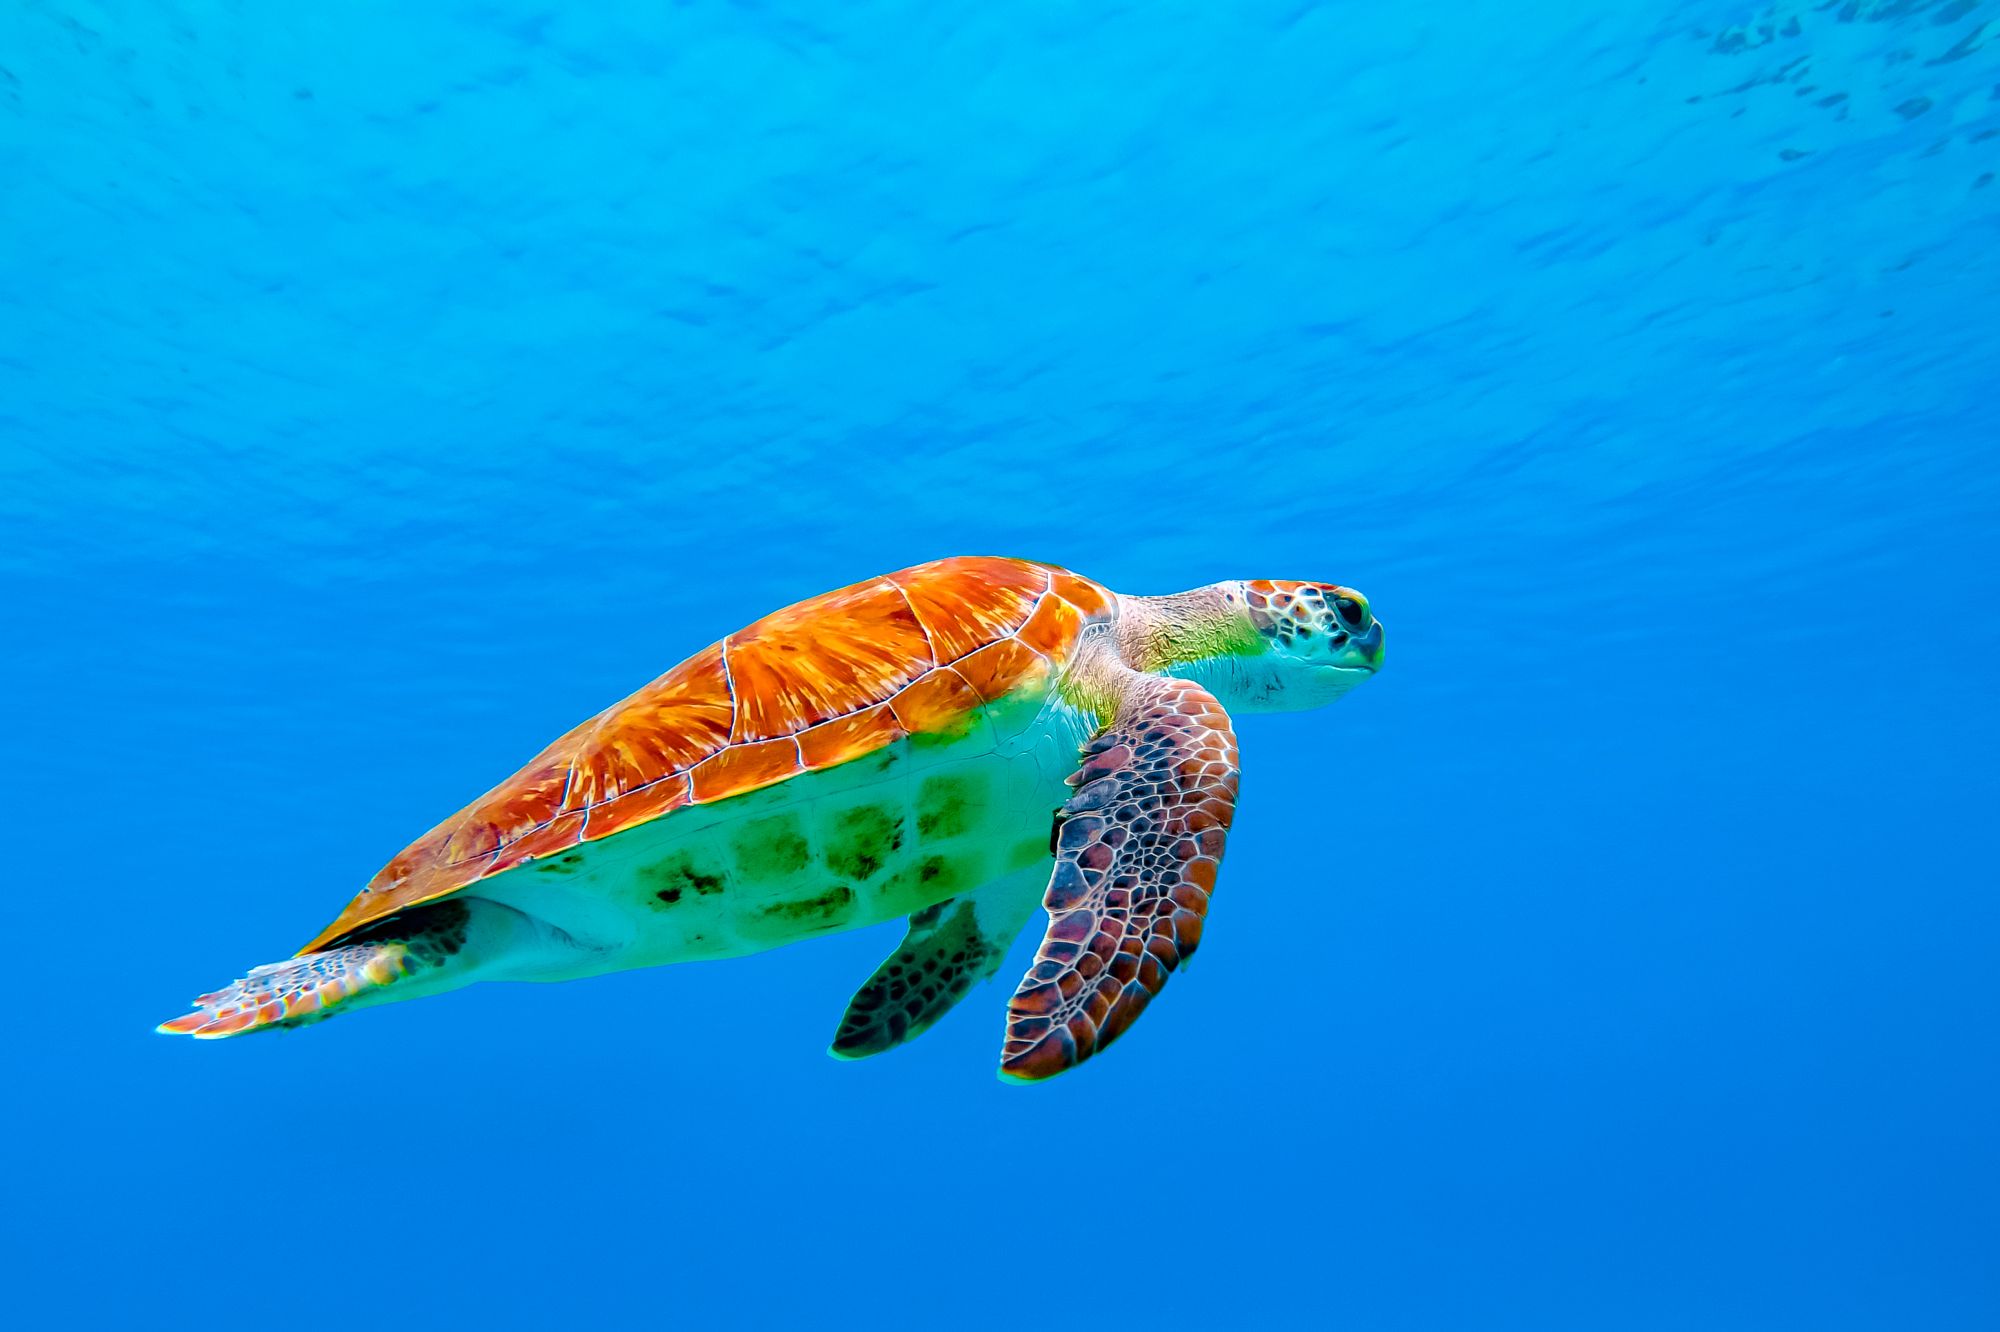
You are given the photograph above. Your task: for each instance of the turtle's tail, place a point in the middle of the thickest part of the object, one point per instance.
(427, 942)
(294, 992)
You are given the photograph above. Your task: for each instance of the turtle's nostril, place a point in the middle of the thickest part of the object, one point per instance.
(1350, 612)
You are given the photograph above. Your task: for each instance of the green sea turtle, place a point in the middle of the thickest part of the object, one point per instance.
(894, 748)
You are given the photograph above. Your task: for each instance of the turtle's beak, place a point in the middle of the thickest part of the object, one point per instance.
(1362, 651)
(1369, 645)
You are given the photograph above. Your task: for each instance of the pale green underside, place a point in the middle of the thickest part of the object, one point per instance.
(874, 839)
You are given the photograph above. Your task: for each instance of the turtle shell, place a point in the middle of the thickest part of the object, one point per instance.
(820, 683)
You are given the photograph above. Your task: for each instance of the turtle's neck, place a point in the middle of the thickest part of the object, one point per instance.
(1158, 633)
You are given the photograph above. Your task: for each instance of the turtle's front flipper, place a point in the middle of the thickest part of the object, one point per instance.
(950, 948)
(1136, 857)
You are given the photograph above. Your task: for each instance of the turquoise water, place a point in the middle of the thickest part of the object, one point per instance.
(385, 388)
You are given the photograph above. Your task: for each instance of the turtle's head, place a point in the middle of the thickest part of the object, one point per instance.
(1260, 645)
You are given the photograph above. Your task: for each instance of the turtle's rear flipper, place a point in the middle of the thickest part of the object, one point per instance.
(422, 943)
(292, 992)
(949, 948)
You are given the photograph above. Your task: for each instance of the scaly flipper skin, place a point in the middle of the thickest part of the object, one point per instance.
(1136, 858)
(949, 948)
(310, 987)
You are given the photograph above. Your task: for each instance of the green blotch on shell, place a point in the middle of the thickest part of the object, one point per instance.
(947, 804)
(862, 839)
(943, 874)
(669, 879)
(828, 909)
(771, 848)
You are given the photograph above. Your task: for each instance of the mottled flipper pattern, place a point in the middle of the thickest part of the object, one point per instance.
(311, 986)
(1136, 856)
(950, 948)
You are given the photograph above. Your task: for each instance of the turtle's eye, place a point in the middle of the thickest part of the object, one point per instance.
(1351, 607)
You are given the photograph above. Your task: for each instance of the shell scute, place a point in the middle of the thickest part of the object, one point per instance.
(469, 841)
(849, 737)
(1053, 627)
(818, 659)
(966, 604)
(1088, 598)
(744, 767)
(557, 835)
(512, 811)
(670, 725)
(1000, 668)
(637, 806)
(940, 703)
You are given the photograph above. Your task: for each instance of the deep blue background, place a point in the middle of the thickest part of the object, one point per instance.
(385, 387)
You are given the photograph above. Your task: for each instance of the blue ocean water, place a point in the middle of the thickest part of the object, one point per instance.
(385, 388)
